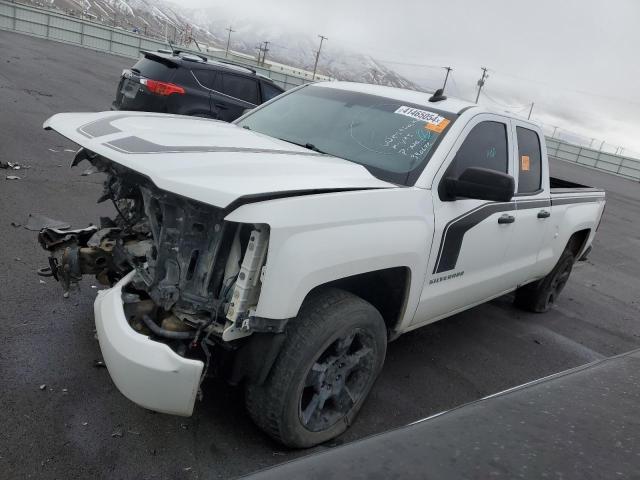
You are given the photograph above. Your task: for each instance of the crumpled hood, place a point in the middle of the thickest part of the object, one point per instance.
(208, 160)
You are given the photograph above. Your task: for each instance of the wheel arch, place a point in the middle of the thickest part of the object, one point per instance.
(386, 289)
(578, 242)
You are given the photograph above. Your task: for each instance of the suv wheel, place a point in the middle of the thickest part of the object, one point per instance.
(331, 357)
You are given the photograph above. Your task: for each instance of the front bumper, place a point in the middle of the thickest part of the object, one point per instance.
(147, 372)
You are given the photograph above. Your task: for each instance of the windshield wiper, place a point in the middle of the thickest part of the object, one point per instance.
(307, 145)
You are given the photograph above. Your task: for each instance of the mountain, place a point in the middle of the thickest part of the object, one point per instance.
(160, 18)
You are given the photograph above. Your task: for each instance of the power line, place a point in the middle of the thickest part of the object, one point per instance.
(555, 86)
(519, 106)
(412, 64)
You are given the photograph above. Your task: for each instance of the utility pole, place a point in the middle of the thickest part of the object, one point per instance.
(265, 50)
(481, 82)
(530, 110)
(230, 30)
(315, 66)
(446, 77)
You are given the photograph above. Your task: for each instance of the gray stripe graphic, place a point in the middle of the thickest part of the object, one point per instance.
(103, 126)
(137, 145)
(454, 231)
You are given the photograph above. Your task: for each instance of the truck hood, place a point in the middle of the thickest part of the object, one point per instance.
(207, 160)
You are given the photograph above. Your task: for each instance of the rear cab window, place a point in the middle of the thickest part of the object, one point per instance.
(529, 161)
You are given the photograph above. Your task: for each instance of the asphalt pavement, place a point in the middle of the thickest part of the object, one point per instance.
(79, 426)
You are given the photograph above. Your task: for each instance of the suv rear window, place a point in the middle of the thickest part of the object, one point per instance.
(153, 69)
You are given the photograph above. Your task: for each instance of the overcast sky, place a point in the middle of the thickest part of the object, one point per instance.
(578, 60)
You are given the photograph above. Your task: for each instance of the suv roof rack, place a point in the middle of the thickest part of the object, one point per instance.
(184, 54)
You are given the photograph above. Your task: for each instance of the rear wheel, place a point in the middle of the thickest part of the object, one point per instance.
(541, 295)
(331, 357)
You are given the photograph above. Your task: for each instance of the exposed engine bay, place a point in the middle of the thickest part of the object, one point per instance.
(197, 276)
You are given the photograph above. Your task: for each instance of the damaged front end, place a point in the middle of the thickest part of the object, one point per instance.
(196, 277)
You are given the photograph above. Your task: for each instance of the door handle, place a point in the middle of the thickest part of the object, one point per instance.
(544, 214)
(221, 106)
(506, 219)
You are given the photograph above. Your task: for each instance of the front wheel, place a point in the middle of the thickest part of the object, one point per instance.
(331, 357)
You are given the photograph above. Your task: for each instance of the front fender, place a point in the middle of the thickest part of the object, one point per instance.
(315, 239)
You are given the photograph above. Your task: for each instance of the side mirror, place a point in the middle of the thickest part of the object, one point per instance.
(246, 110)
(482, 184)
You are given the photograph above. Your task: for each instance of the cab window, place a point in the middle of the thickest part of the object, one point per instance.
(529, 161)
(485, 146)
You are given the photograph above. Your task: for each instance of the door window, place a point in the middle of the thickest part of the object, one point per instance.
(240, 87)
(529, 161)
(485, 146)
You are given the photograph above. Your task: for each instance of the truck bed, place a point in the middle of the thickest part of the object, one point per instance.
(558, 185)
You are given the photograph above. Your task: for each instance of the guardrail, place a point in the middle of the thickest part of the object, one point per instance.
(625, 166)
(86, 33)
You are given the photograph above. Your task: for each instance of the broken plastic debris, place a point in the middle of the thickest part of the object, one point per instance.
(42, 281)
(36, 223)
(43, 386)
(99, 364)
(69, 150)
(13, 165)
(64, 390)
(84, 424)
(117, 433)
(53, 150)
(12, 177)
(89, 171)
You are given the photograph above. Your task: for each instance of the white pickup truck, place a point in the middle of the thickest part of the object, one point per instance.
(285, 250)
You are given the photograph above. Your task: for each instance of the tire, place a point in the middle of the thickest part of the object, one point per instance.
(330, 359)
(539, 296)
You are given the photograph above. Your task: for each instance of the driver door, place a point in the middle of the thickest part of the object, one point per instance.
(471, 239)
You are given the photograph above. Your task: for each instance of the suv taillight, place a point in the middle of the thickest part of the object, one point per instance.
(161, 88)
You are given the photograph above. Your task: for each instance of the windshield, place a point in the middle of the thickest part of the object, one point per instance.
(391, 138)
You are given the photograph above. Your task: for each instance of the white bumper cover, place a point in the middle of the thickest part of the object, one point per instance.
(147, 372)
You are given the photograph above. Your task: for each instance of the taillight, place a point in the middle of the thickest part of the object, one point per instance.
(161, 88)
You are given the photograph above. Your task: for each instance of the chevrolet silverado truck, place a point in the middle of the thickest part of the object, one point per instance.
(283, 251)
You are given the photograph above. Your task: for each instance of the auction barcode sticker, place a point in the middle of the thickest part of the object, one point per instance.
(423, 115)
